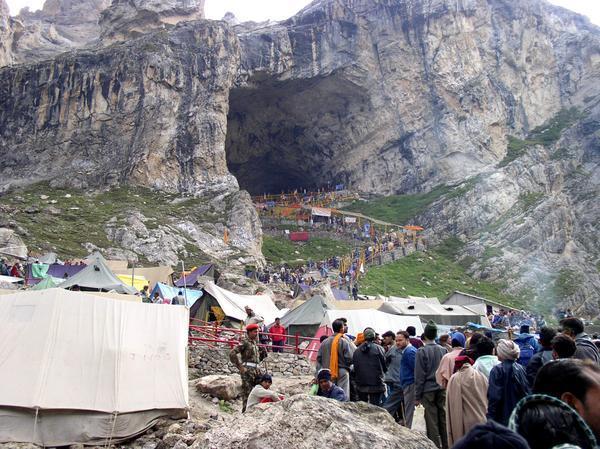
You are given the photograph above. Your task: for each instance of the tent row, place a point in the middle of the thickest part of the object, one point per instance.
(308, 317)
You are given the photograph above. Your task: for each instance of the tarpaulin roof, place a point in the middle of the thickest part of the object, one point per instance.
(97, 276)
(192, 278)
(58, 271)
(65, 350)
(153, 274)
(138, 281)
(44, 284)
(234, 304)
(340, 295)
(321, 212)
(414, 299)
(166, 291)
(441, 314)
(114, 295)
(11, 279)
(309, 313)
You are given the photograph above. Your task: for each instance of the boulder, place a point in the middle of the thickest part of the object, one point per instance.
(11, 244)
(222, 387)
(304, 421)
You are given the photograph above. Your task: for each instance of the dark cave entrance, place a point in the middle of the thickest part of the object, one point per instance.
(287, 135)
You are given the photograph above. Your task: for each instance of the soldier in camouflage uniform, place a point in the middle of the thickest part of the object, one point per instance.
(251, 355)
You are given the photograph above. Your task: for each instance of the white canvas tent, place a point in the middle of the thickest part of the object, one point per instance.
(77, 368)
(233, 304)
(451, 315)
(382, 322)
(358, 320)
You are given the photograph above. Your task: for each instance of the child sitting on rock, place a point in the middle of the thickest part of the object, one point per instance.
(261, 393)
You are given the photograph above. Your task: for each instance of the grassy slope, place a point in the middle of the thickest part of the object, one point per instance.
(411, 275)
(546, 134)
(281, 250)
(398, 209)
(82, 216)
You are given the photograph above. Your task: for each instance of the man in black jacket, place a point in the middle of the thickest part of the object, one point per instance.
(542, 357)
(369, 367)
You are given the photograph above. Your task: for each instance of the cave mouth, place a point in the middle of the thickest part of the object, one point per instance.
(288, 135)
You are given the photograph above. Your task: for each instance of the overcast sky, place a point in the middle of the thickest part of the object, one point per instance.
(282, 9)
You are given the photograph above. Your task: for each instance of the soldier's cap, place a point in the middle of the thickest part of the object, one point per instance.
(251, 327)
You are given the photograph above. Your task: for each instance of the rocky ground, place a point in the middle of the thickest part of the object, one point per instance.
(301, 421)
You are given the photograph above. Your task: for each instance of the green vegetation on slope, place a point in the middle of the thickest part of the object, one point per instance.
(546, 134)
(567, 283)
(429, 274)
(67, 219)
(278, 250)
(399, 209)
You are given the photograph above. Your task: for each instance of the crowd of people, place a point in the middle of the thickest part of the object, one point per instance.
(476, 391)
(346, 270)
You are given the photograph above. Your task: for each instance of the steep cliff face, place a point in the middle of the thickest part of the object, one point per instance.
(60, 26)
(150, 112)
(63, 25)
(126, 19)
(394, 96)
(533, 222)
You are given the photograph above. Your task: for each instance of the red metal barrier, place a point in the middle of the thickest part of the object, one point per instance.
(212, 333)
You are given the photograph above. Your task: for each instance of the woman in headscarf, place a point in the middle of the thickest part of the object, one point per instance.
(547, 422)
(466, 399)
(507, 384)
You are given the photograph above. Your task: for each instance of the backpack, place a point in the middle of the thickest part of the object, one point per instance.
(527, 352)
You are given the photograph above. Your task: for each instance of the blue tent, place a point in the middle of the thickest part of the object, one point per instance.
(166, 291)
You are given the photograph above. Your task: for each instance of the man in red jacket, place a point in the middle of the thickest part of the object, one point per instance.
(277, 332)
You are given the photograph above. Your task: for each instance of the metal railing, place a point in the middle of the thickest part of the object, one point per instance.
(212, 335)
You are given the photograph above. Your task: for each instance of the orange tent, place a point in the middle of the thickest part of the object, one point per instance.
(413, 228)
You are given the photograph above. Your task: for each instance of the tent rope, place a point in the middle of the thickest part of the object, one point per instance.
(112, 430)
(37, 412)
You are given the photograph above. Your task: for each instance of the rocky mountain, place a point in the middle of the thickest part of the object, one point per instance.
(386, 96)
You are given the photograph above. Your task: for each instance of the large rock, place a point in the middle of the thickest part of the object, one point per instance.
(307, 422)
(11, 244)
(61, 25)
(222, 387)
(6, 54)
(127, 19)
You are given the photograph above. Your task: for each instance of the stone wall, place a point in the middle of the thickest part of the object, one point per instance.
(216, 361)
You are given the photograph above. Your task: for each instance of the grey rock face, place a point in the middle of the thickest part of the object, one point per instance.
(308, 421)
(60, 26)
(400, 96)
(150, 112)
(533, 223)
(126, 19)
(6, 54)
